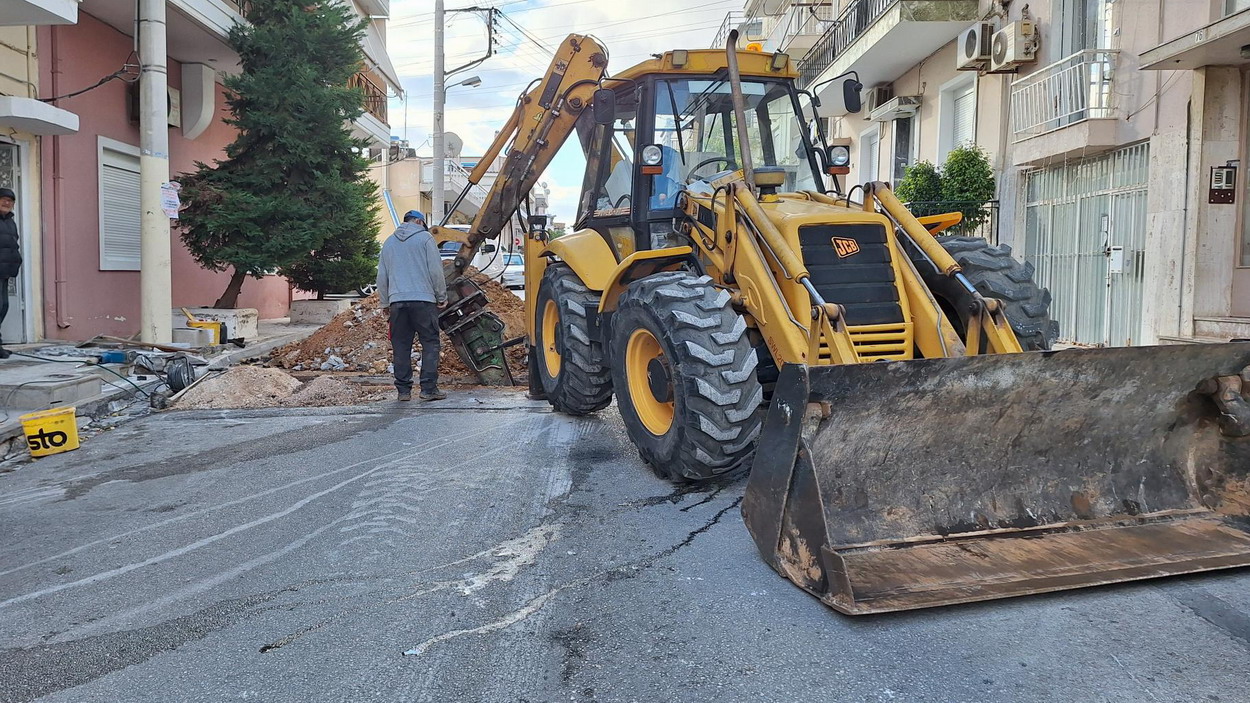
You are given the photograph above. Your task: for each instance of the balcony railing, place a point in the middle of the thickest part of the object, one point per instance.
(980, 218)
(457, 177)
(375, 95)
(731, 22)
(1069, 91)
(806, 19)
(854, 21)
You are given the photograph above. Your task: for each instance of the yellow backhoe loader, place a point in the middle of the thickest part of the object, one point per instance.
(912, 441)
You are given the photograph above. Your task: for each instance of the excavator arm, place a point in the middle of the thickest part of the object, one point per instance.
(542, 121)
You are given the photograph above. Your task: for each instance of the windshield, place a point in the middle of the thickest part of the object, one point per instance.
(512, 260)
(696, 129)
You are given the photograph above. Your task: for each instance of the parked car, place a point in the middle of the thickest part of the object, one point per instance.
(513, 275)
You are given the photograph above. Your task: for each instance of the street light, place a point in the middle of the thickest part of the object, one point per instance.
(470, 82)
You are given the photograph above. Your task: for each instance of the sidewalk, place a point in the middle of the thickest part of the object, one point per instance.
(67, 376)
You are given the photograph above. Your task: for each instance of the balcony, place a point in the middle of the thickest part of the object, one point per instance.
(39, 12)
(801, 26)
(375, 95)
(733, 20)
(454, 182)
(1066, 107)
(881, 40)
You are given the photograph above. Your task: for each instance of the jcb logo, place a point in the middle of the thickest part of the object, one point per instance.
(845, 247)
(44, 439)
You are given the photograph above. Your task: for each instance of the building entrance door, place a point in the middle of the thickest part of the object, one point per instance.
(13, 330)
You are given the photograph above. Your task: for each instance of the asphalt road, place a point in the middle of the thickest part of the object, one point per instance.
(490, 550)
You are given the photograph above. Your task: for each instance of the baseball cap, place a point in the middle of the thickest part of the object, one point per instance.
(414, 215)
(7, 193)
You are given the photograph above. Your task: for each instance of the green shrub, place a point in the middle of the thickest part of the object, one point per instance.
(968, 183)
(921, 185)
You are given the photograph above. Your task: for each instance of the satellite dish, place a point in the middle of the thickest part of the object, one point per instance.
(453, 144)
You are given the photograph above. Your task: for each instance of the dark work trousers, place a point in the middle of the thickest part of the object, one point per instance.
(4, 298)
(410, 318)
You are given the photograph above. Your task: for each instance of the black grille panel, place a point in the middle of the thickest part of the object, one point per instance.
(863, 282)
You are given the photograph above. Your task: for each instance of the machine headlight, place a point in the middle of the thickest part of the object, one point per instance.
(652, 155)
(839, 155)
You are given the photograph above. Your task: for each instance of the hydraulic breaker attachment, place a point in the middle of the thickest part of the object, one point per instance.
(910, 484)
(477, 334)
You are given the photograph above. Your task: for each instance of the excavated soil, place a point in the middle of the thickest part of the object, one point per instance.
(241, 387)
(357, 340)
(259, 387)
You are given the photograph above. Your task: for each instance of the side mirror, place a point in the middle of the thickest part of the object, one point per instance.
(488, 248)
(605, 106)
(850, 95)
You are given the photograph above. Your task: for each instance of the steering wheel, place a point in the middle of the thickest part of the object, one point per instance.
(690, 178)
(622, 199)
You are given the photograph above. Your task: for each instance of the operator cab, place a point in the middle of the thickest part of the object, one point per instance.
(665, 133)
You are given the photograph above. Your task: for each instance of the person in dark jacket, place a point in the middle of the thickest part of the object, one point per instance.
(10, 254)
(411, 289)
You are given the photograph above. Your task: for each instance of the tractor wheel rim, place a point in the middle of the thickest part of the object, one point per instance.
(641, 351)
(551, 354)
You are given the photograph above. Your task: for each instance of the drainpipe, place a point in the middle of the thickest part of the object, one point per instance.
(58, 264)
(155, 281)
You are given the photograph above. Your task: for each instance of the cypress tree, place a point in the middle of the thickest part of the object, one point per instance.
(293, 185)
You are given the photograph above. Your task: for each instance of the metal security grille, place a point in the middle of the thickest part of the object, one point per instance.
(1085, 231)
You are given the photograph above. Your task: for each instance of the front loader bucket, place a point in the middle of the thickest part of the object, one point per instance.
(891, 486)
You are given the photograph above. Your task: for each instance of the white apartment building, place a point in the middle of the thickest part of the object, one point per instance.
(1116, 129)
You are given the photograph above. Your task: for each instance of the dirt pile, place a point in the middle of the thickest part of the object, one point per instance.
(358, 340)
(328, 391)
(241, 387)
(259, 387)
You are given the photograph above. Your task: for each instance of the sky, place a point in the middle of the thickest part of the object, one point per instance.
(631, 30)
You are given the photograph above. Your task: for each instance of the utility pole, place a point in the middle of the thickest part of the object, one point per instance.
(155, 281)
(440, 101)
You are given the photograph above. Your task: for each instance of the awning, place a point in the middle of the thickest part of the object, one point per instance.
(36, 117)
(1217, 44)
(378, 59)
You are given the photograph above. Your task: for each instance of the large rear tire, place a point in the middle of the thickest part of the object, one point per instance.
(996, 274)
(570, 360)
(684, 372)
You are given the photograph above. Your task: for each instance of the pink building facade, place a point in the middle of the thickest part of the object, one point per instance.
(87, 288)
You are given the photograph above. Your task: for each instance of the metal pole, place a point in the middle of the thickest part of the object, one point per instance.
(739, 103)
(155, 282)
(440, 101)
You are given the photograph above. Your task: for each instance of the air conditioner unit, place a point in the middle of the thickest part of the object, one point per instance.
(878, 96)
(896, 108)
(173, 99)
(974, 47)
(1013, 45)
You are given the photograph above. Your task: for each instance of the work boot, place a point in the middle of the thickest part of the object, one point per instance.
(433, 395)
(405, 396)
(5, 353)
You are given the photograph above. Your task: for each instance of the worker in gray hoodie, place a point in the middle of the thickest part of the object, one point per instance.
(412, 289)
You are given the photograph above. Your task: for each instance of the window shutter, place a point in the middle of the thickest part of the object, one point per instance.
(964, 107)
(869, 146)
(119, 212)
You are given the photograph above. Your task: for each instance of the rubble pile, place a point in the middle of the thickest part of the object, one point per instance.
(357, 341)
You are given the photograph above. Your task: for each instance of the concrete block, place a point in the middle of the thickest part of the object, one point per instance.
(195, 337)
(240, 322)
(49, 390)
(317, 312)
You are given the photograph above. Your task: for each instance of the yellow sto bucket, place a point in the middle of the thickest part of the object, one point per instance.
(51, 431)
